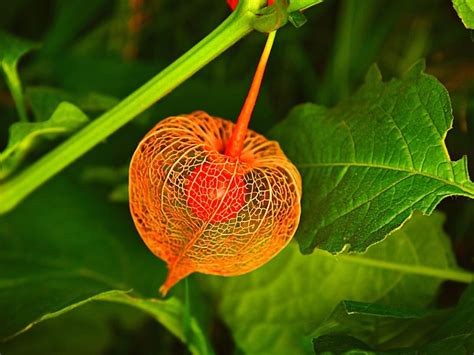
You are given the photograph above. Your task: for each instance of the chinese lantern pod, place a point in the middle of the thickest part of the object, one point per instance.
(203, 211)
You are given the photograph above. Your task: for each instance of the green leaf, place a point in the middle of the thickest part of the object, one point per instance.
(379, 325)
(455, 336)
(371, 161)
(465, 10)
(66, 246)
(297, 19)
(275, 308)
(87, 330)
(24, 136)
(11, 50)
(350, 313)
(44, 101)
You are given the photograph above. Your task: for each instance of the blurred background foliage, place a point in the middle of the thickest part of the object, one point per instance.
(95, 52)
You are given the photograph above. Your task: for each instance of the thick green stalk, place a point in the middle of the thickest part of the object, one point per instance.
(236, 26)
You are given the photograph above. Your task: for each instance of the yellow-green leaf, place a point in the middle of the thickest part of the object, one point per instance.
(24, 136)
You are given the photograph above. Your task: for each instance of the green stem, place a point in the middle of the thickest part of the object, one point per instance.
(236, 26)
(298, 5)
(14, 84)
(444, 274)
(187, 313)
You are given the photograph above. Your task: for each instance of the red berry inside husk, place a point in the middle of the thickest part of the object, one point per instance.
(215, 194)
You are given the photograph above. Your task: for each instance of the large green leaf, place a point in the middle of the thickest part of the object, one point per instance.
(465, 10)
(66, 246)
(272, 309)
(455, 336)
(24, 136)
(90, 329)
(372, 160)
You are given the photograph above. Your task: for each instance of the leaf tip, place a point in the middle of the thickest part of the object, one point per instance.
(373, 75)
(461, 173)
(306, 248)
(416, 69)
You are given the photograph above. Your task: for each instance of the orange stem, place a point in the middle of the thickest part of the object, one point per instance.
(236, 141)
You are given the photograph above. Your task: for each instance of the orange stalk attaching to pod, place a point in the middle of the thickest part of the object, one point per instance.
(213, 197)
(236, 143)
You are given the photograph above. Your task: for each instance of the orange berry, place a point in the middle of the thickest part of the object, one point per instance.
(215, 194)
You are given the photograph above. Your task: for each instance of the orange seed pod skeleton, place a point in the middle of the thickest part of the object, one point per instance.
(212, 197)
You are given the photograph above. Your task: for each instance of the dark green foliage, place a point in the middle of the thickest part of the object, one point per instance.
(75, 276)
(453, 333)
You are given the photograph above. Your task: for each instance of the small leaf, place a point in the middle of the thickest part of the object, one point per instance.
(275, 308)
(11, 50)
(465, 10)
(371, 161)
(24, 136)
(297, 19)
